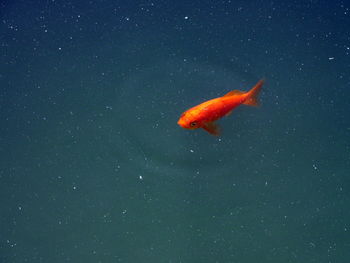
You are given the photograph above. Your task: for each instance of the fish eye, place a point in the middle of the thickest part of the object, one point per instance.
(193, 124)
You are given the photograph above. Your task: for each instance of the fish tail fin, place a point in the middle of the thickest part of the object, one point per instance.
(252, 95)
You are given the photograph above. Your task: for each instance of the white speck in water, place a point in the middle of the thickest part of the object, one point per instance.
(330, 58)
(186, 17)
(314, 166)
(191, 151)
(140, 177)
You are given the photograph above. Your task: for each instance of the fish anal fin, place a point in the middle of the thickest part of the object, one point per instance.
(233, 93)
(251, 102)
(229, 113)
(212, 128)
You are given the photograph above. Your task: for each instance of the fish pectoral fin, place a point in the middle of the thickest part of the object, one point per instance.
(212, 128)
(233, 93)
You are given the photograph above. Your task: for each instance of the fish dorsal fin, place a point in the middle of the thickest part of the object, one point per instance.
(233, 93)
(212, 128)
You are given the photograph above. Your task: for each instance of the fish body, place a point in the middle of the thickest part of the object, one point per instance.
(205, 114)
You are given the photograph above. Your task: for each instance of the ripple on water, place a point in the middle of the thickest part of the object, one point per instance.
(150, 101)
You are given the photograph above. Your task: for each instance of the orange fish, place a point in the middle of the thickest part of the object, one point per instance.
(204, 114)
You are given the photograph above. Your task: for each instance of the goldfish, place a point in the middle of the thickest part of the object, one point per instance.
(205, 114)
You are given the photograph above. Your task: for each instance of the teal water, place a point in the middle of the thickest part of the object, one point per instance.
(94, 167)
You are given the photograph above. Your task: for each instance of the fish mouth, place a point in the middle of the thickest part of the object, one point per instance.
(182, 123)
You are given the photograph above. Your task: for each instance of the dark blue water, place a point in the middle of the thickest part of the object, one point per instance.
(94, 167)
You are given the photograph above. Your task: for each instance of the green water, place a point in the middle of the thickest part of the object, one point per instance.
(94, 167)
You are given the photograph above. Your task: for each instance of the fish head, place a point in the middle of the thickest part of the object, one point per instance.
(188, 121)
